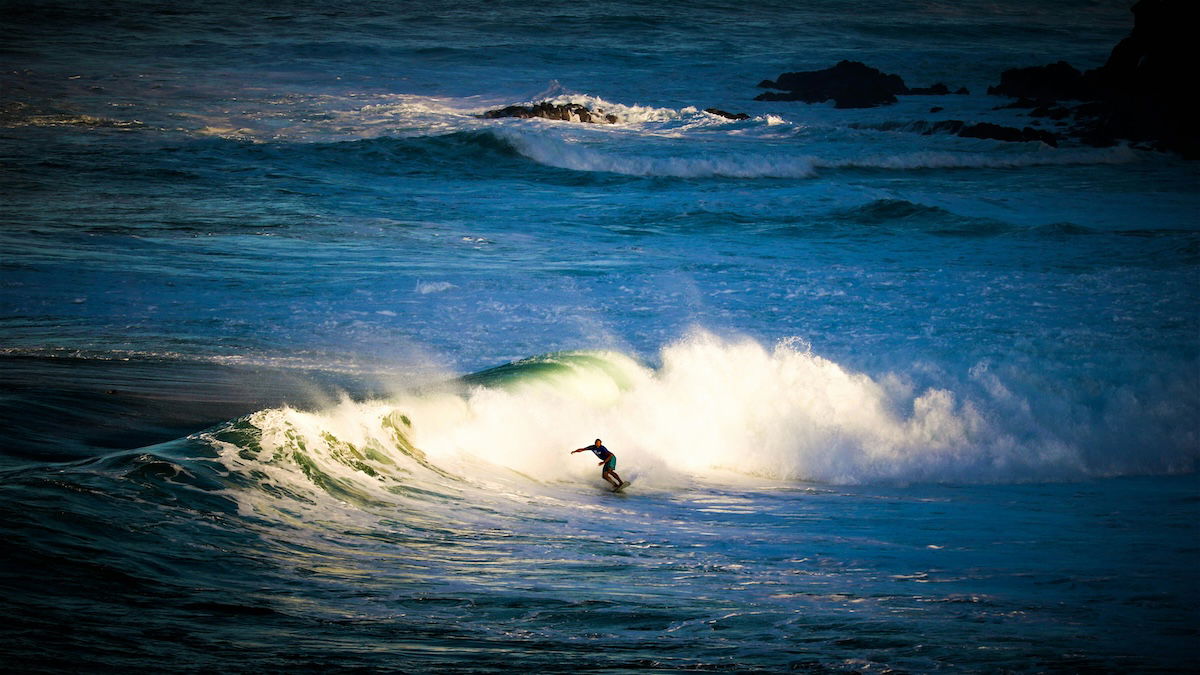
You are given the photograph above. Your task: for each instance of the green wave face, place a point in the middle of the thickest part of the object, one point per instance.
(621, 369)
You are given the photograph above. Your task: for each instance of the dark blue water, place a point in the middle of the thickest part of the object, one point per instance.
(889, 402)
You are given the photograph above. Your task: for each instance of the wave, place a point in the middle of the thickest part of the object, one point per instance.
(933, 219)
(716, 409)
(575, 155)
(650, 117)
(465, 149)
(626, 114)
(418, 134)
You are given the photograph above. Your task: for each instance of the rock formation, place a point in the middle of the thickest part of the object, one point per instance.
(851, 84)
(727, 115)
(567, 112)
(1142, 93)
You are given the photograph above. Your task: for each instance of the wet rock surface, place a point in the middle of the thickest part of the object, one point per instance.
(727, 115)
(566, 112)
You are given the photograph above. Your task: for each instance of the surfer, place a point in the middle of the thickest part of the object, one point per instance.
(608, 461)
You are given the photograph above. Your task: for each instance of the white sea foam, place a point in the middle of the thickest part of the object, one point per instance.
(427, 287)
(716, 407)
(626, 114)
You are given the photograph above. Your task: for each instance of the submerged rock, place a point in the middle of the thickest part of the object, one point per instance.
(566, 112)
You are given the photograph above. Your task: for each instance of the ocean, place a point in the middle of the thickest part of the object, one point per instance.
(295, 345)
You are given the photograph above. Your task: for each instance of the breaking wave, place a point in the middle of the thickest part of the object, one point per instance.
(715, 409)
(575, 155)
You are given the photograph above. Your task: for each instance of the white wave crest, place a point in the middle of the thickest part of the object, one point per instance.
(717, 408)
(427, 287)
(626, 114)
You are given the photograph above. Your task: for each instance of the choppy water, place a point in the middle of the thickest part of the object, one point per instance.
(889, 401)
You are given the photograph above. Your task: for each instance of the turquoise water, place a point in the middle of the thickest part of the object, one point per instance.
(295, 346)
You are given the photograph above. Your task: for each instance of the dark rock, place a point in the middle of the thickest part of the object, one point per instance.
(945, 127)
(850, 84)
(1053, 112)
(1010, 134)
(962, 91)
(510, 111)
(726, 115)
(567, 112)
(1045, 83)
(1089, 110)
(938, 89)
(1141, 94)
(1149, 78)
(936, 109)
(1021, 103)
(980, 130)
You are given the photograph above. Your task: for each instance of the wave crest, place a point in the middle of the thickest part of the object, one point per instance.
(714, 408)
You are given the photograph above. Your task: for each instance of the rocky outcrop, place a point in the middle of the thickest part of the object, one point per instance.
(850, 84)
(566, 112)
(1141, 94)
(1045, 83)
(727, 115)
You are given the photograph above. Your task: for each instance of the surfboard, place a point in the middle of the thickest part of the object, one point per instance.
(622, 486)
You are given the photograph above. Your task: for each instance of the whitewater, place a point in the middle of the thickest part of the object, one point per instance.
(295, 344)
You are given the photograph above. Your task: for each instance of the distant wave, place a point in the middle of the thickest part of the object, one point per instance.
(675, 148)
(567, 154)
(459, 152)
(577, 156)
